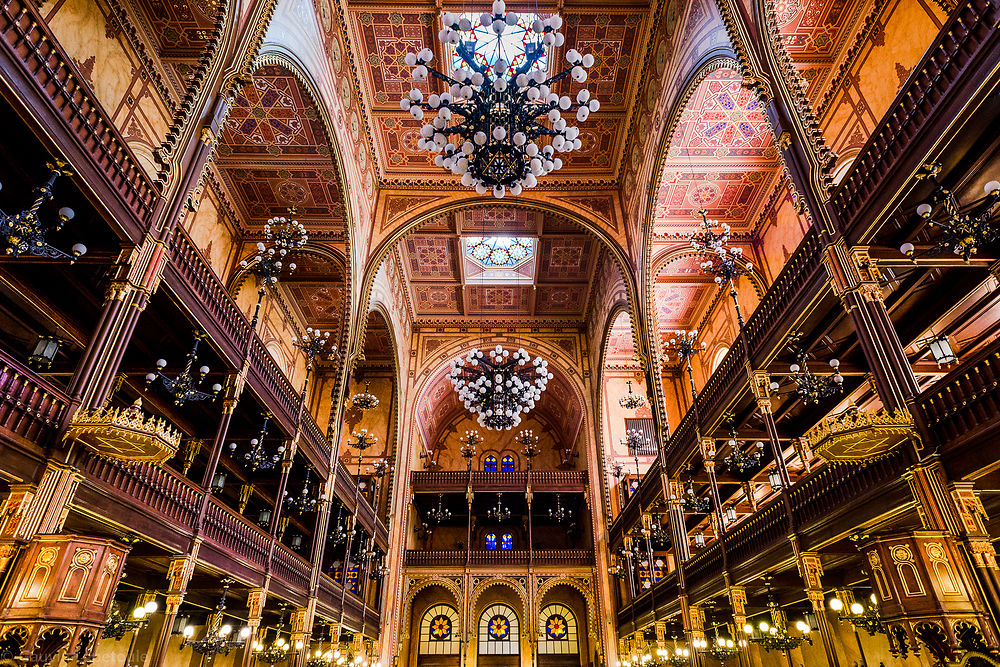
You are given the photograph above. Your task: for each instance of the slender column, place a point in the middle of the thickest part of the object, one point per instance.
(301, 622)
(230, 398)
(136, 275)
(32, 509)
(708, 456)
(178, 575)
(286, 467)
(255, 609)
(738, 600)
(811, 571)
(975, 541)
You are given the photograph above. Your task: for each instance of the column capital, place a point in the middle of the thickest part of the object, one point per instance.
(852, 271)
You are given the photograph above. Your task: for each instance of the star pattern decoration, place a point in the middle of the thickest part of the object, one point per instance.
(440, 628)
(555, 627)
(499, 627)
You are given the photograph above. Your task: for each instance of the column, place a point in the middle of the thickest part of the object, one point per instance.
(136, 275)
(738, 600)
(301, 624)
(811, 571)
(30, 509)
(178, 575)
(708, 456)
(255, 609)
(976, 542)
(286, 467)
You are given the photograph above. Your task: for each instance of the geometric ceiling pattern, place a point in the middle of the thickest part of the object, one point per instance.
(445, 284)
(273, 154)
(381, 38)
(317, 289)
(180, 31)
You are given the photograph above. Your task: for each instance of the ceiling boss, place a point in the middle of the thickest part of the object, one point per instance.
(487, 126)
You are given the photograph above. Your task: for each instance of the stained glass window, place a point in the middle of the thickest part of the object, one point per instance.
(644, 574)
(353, 584)
(507, 464)
(559, 630)
(439, 631)
(491, 540)
(499, 251)
(507, 541)
(511, 45)
(498, 631)
(490, 463)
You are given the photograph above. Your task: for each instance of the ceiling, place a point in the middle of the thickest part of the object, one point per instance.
(381, 36)
(180, 32)
(445, 285)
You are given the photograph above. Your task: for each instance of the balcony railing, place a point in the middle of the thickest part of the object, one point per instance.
(155, 489)
(236, 534)
(458, 558)
(291, 568)
(449, 480)
(30, 406)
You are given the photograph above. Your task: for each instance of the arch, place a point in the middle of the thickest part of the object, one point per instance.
(499, 630)
(451, 587)
(583, 587)
(558, 630)
(507, 463)
(439, 631)
(490, 463)
(605, 240)
(718, 356)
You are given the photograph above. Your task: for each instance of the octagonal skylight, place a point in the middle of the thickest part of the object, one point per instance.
(499, 252)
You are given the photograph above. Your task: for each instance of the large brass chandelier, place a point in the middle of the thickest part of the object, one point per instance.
(499, 386)
(487, 126)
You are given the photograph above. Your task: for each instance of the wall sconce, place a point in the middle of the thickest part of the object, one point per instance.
(46, 349)
(218, 482)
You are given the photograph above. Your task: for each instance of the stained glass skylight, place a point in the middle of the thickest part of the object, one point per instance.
(499, 251)
(510, 46)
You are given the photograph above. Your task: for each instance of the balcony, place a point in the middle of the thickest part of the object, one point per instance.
(31, 408)
(451, 481)
(516, 557)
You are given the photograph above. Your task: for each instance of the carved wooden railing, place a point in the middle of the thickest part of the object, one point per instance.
(236, 534)
(457, 557)
(436, 480)
(960, 61)
(155, 489)
(54, 78)
(30, 406)
(965, 402)
(290, 568)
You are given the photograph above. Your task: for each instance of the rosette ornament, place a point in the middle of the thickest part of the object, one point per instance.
(487, 127)
(499, 386)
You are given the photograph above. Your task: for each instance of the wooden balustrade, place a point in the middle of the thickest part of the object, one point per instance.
(962, 405)
(153, 488)
(50, 78)
(235, 533)
(452, 480)
(961, 59)
(291, 568)
(30, 406)
(457, 557)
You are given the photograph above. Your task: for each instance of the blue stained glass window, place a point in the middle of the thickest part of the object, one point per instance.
(507, 464)
(490, 463)
(507, 541)
(491, 541)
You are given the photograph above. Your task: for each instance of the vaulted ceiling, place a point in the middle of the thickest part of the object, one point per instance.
(381, 36)
(445, 284)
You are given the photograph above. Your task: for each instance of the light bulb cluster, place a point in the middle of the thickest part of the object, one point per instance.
(499, 386)
(486, 125)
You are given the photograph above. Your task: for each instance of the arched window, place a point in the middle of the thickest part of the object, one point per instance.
(439, 631)
(499, 631)
(719, 356)
(490, 463)
(507, 463)
(491, 540)
(507, 541)
(558, 630)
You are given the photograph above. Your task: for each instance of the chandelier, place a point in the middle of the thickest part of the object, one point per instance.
(184, 387)
(257, 458)
(118, 625)
(468, 449)
(218, 638)
(775, 635)
(659, 535)
(694, 503)
(680, 656)
(812, 388)
(560, 514)
(499, 386)
(529, 445)
(24, 234)
(286, 235)
(500, 512)
(362, 441)
(742, 465)
(858, 615)
(303, 501)
(312, 343)
(440, 513)
(631, 401)
(277, 650)
(319, 657)
(964, 232)
(684, 345)
(340, 532)
(720, 648)
(365, 400)
(486, 126)
(704, 238)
